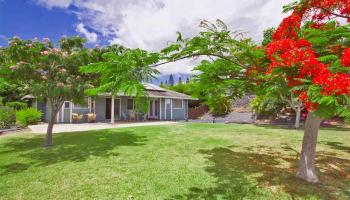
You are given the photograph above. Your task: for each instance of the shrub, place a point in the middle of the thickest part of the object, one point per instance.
(16, 105)
(28, 116)
(7, 117)
(266, 106)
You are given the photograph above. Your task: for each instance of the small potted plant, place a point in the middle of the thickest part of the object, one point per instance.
(76, 117)
(91, 117)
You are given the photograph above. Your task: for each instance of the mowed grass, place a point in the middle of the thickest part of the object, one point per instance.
(182, 161)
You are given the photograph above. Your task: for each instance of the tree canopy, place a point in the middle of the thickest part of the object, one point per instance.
(49, 72)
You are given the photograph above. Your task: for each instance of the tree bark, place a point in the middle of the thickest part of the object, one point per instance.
(48, 141)
(297, 117)
(307, 169)
(54, 110)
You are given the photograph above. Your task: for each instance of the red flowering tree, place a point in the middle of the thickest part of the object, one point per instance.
(310, 50)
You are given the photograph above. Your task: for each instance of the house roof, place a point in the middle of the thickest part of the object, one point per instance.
(150, 86)
(28, 96)
(152, 90)
(155, 91)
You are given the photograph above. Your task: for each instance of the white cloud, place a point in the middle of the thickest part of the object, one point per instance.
(55, 3)
(150, 24)
(90, 36)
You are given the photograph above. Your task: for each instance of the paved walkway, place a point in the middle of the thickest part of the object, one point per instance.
(59, 128)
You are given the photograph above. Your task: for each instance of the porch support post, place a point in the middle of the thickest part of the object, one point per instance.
(112, 110)
(70, 111)
(160, 108)
(36, 103)
(171, 109)
(62, 113)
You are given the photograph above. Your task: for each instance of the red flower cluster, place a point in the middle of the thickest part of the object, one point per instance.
(324, 9)
(296, 56)
(345, 59)
(289, 28)
(309, 105)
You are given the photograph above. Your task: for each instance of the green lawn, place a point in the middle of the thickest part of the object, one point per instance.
(183, 161)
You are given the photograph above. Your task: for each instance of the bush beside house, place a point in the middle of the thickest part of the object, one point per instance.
(28, 116)
(7, 117)
(16, 105)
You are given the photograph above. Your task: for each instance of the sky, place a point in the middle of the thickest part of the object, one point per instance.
(146, 24)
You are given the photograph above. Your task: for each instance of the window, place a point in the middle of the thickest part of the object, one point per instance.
(66, 104)
(167, 102)
(177, 103)
(130, 104)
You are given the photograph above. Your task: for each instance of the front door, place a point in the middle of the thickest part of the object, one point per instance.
(153, 109)
(109, 108)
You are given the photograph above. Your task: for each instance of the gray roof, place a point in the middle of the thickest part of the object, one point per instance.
(155, 91)
(150, 86)
(28, 96)
(167, 94)
(152, 90)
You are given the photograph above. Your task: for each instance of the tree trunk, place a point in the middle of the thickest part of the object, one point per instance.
(297, 117)
(48, 141)
(53, 113)
(307, 169)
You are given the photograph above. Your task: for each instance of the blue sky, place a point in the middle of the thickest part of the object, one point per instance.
(145, 24)
(28, 20)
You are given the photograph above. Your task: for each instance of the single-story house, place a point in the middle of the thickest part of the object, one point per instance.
(163, 105)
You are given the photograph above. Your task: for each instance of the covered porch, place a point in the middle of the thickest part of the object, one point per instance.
(122, 108)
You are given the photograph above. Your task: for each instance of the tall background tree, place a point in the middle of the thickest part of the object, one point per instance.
(49, 72)
(171, 81)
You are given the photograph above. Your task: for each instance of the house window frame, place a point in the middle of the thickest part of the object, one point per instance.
(182, 104)
(65, 103)
(133, 104)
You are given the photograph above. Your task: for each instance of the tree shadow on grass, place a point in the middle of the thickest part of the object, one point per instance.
(260, 172)
(338, 146)
(73, 147)
(286, 127)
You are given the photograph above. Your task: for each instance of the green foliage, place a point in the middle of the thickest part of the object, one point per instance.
(185, 88)
(28, 116)
(218, 84)
(268, 33)
(330, 106)
(7, 117)
(16, 105)
(10, 90)
(49, 71)
(267, 105)
(123, 71)
(223, 76)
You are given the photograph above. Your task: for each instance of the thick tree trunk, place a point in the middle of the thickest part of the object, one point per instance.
(307, 169)
(297, 117)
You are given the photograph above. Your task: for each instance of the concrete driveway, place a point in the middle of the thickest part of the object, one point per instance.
(59, 128)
